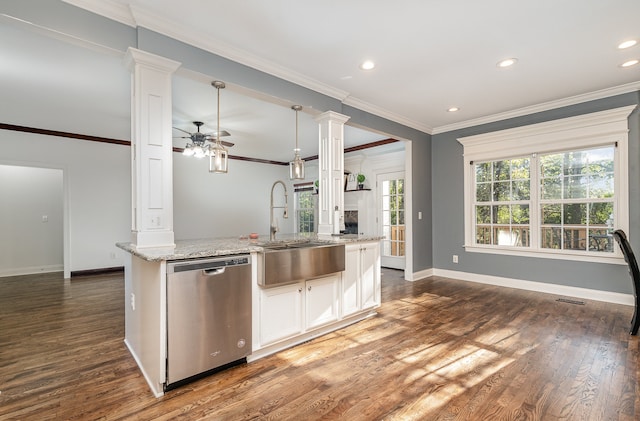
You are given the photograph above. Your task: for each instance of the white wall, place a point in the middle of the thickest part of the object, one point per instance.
(98, 199)
(227, 205)
(31, 220)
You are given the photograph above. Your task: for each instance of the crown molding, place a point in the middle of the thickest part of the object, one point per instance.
(107, 8)
(381, 112)
(186, 34)
(545, 106)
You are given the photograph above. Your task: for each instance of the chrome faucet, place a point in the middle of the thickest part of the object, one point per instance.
(274, 225)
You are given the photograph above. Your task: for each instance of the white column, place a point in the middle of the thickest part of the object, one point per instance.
(331, 172)
(151, 149)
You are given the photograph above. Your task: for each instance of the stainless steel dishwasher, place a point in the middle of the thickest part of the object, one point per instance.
(208, 316)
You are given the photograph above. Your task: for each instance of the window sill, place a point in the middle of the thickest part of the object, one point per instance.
(613, 259)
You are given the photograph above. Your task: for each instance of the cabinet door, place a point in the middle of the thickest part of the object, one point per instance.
(370, 275)
(322, 300)
(280, 313)
(350, 284)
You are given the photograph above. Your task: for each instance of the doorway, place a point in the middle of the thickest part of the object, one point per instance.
(32, 220)
(391, 188)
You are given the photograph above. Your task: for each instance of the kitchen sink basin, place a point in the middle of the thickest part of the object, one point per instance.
(288, 262)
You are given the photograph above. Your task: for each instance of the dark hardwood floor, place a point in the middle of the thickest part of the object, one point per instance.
(439, 349)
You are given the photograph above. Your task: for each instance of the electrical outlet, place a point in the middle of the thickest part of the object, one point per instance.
(455, 258)
(133, 301)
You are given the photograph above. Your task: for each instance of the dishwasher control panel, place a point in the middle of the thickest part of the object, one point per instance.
(182, 266)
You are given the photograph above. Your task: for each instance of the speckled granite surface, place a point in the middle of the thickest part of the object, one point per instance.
(211, 247)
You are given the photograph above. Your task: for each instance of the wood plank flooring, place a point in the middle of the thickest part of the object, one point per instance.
(439, 349)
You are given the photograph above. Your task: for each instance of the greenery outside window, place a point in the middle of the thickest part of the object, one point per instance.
(556, 189)
(304, 208)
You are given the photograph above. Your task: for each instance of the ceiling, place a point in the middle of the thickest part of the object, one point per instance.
(430, 55)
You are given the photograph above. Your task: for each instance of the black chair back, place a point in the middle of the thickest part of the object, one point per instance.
(630, 258)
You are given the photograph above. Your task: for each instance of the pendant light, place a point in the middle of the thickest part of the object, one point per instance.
(218, 155)
(296, 167)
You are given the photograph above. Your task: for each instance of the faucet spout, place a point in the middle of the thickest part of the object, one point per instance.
(274, 225)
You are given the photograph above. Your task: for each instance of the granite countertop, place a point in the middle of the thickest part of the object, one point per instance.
(211, 247)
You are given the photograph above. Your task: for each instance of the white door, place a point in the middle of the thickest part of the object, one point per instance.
(391, 219)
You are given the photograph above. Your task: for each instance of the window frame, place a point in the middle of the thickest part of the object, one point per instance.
(303, 188)
(604, 128)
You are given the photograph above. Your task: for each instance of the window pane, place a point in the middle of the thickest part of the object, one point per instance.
(600, 240)
(483, 214)
(501, 170)
(601, 214)
(483, 235)
(501, 214)
(551, 188)
(575, 213)
(520, 169)
(551, 214)
(520, 214)
(601, 186)
(483, 192)
(502, 191)
(521, 236)
(551, 165)
(575, 238)
(483, 172)
(400, 217)
(551, 238)
(575, 187)
(521, 190)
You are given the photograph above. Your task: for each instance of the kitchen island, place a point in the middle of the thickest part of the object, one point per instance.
(282, 316)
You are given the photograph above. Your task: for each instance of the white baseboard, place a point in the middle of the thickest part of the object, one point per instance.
(31, 270)
(576, 292)
(156, 392)
(418, 275)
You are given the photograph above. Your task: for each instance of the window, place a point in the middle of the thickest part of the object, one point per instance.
(304, 208)
(556, 189)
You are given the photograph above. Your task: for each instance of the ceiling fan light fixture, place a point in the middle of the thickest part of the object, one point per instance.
(218, 155)
(218, 159)
(296, 167)
(188, 150)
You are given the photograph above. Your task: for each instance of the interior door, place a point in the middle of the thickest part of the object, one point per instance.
(392, 223)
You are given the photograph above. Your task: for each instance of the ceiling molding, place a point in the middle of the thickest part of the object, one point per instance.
(185, 34)
(545, 106)
(381, 112)
(107, 8)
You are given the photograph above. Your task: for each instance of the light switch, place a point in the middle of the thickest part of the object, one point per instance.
(419, 215)
(45, 218)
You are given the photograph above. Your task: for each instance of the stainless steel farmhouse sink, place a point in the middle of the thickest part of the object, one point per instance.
(287, 262)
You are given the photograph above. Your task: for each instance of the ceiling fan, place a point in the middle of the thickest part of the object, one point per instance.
(199, 138)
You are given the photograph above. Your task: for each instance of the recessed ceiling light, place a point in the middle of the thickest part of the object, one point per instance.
(507, 62)
(453, 109)
(627, 44)
(629, 63)
(367, 65)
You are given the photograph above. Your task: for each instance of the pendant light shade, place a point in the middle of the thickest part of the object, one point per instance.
(218, 155)
(296, 167)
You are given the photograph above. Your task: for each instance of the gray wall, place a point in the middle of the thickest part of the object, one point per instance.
(448, 210)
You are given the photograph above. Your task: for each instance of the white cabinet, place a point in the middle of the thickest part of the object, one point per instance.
(361, 281)
(280, 312)
(321, 300)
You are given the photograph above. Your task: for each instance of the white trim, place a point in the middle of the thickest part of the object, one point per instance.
(545, 106)
(613, 259)
(579, 132)
(563, 290)
(32, 270)
(107, 8)
(156, 392)
(416, 276)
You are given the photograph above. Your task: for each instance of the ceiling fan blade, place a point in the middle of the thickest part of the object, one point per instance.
(227, 144)
(184, 131)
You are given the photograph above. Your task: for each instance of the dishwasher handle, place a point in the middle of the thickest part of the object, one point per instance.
(213, 271)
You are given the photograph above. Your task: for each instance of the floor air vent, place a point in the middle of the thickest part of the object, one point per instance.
(564, 300)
